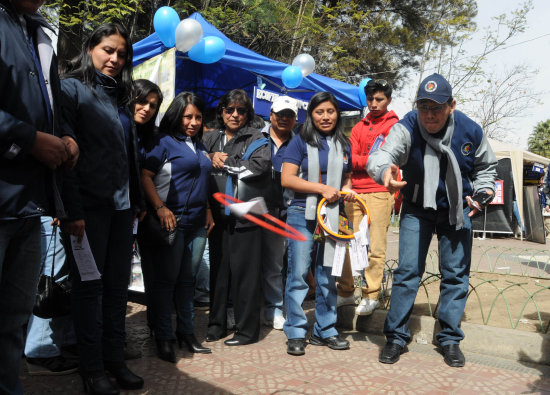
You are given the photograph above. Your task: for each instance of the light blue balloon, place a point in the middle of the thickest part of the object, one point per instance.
(361, 90)
(292, 77)
(208, 50)
(165, 22)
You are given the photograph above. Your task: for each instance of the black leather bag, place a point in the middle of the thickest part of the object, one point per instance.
(53, 299)
(155, 234)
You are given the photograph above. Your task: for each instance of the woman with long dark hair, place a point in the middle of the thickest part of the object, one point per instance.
(175, 179)
(235, 245)
(317, 164)
(145, 106)
(108, 196)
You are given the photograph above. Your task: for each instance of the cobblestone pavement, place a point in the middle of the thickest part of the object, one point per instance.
(266, 368)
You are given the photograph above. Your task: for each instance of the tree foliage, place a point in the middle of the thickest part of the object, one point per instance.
(349, 39)
(539, 140)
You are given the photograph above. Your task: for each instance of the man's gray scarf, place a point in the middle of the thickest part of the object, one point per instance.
(453, 178)
(334, 179)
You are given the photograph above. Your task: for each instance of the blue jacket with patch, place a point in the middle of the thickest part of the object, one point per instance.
(405, 147)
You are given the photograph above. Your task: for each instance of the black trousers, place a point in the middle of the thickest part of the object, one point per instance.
(235, 267)
(99, 306)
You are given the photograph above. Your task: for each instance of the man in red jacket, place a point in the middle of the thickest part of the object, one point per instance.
(366, 137)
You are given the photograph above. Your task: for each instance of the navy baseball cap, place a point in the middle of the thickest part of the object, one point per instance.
(435, 88)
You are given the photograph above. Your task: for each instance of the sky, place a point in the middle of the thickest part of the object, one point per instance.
(527, 48)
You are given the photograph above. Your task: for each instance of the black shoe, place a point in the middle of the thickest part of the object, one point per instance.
(165, 351)
(296, 346)
(391, 353)
(333, 342)
(237, 341)
(453, 356)
(53, 366)
(124, 376)
(97, 383)
(212, 337)
(193, 345)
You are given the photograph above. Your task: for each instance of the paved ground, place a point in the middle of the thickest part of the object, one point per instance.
(266, 368)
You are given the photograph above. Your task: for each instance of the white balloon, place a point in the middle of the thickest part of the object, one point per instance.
(188, 33)
(305, 62)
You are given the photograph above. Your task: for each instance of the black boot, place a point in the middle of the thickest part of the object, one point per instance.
(193, 345)
(97, 383)
(124, 376)
(165, 351)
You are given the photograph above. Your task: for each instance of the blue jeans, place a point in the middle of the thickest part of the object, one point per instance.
(175, 270)
(273, 251)
(45, 336)
(19, 272)
(202, 285)
(99, 306)
(299, 261)
(455, 254)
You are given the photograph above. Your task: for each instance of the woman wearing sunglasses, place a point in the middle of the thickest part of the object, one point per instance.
(317, 164)
(235, 244)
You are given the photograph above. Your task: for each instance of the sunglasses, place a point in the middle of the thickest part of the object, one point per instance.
(378, 83)
(231, 110)
(424, 108)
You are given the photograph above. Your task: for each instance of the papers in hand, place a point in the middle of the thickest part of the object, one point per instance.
(84, 259)
(255, 206)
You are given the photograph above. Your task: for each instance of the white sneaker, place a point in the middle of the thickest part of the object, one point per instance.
(366, 307)
(230, 319)
(278, 322)
(342, 301)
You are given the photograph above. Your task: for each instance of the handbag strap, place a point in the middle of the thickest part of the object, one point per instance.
(53, 238)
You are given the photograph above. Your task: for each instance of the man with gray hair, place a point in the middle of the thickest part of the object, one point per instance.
(448, 176)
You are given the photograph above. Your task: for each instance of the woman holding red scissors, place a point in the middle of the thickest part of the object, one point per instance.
(317, 164)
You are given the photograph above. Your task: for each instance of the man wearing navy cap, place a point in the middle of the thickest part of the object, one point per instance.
(448, 175)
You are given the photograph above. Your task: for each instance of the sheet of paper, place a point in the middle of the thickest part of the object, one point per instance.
(84, 259)
(353, 257)
(338, 261)
(359, 257)
(364, 229)
(255, 206)
(363, 253)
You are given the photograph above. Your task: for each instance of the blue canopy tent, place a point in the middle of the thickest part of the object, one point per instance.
(240, 68)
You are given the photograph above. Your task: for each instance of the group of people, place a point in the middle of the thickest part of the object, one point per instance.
(84, 149)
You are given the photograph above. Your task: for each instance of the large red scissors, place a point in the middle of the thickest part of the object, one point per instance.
(282, 229)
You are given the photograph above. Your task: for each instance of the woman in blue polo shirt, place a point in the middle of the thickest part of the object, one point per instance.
(175, 179)
(317, 164)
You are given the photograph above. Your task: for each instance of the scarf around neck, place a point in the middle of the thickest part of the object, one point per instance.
(435, 147)
(334, 179)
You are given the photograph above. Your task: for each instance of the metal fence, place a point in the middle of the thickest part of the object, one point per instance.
(509, 287)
